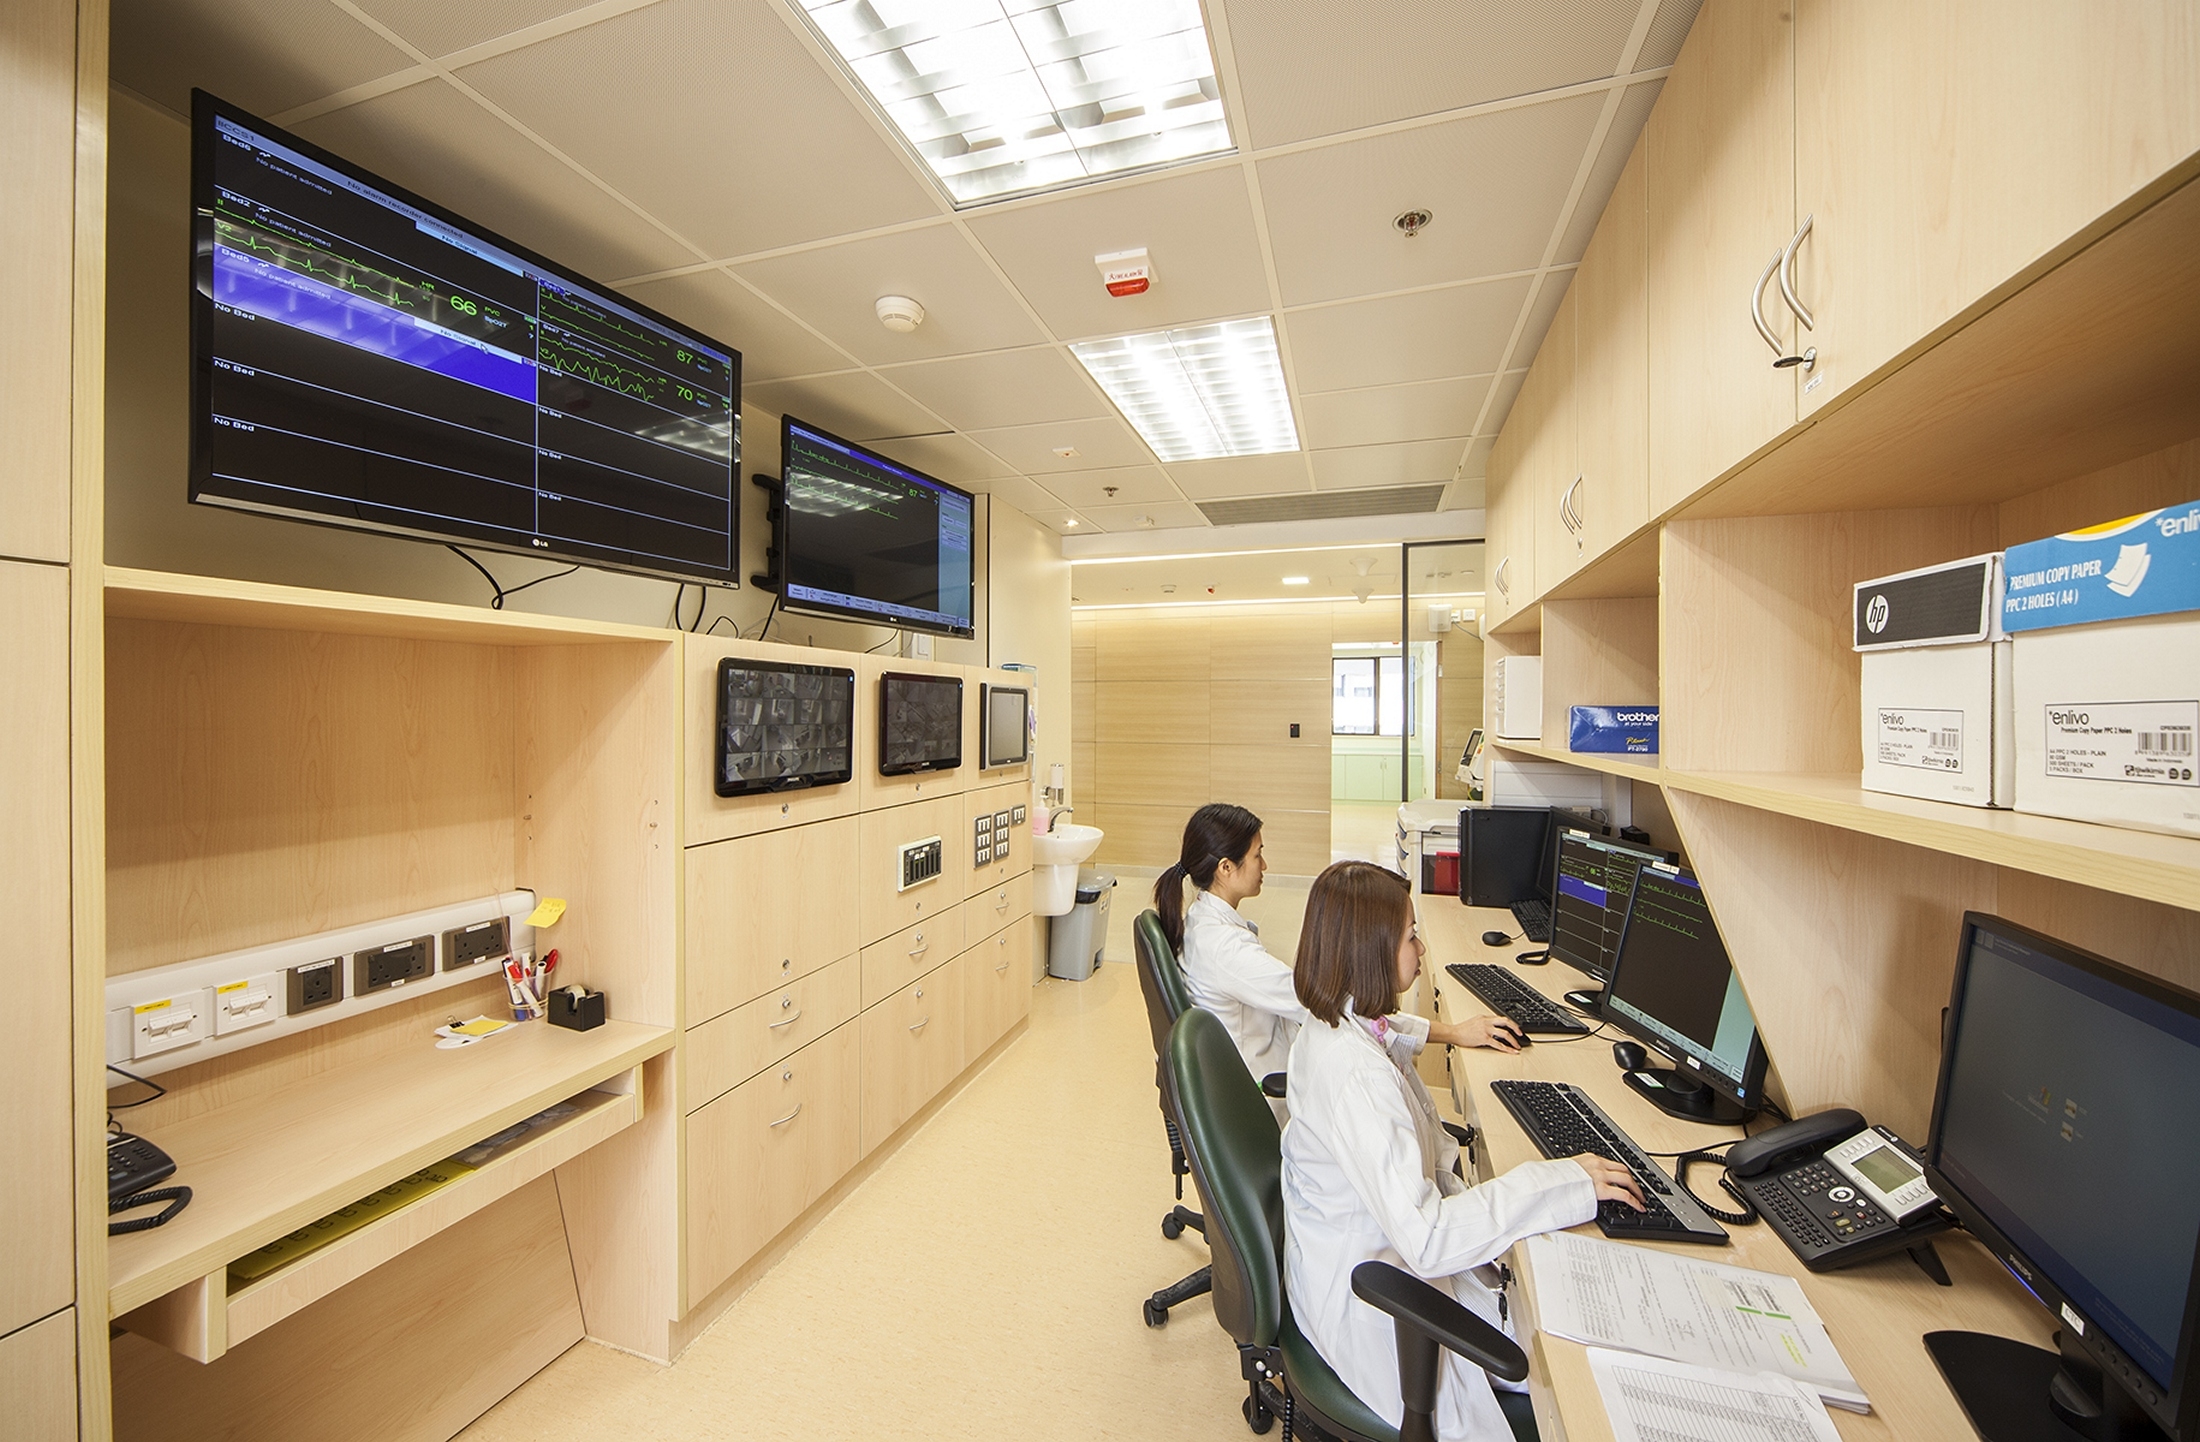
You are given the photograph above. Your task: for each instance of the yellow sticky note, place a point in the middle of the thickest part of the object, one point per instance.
(548, 912)
(480, 1026)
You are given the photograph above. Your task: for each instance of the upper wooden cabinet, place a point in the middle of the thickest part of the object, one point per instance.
(1611, 391)
(1511, 519)
(1721, 210)
(1941, 148)
(1549, 456)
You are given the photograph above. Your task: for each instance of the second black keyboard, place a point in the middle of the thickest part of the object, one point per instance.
(1534, 918)
(1563, 1122)
(1504, 993)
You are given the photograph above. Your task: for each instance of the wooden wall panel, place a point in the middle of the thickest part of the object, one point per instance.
(1137, 835)
(1295, 773)
(1175, 774)
(1296, 843)
(1269, 648)
(2162, 941)
(1132, 647)
(38, 1379)
(2164, 478)
(1140, 712)
(37, 162)
(1263, 712)
(1597, 653)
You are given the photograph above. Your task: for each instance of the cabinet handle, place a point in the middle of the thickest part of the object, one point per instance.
(1779, 263)
(1757, 307)
(1787, 277)
(921, 947)
(922, 1024)
(1569, 514)
(1497, 578)
(789, 1116)
(1002, 903)
(1003, 966)
(783, 1021)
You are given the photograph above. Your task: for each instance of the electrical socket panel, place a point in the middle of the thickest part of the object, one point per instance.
(479, 942)
(317, 983)
(392, 965)
(171, 1022)
(247, 1002)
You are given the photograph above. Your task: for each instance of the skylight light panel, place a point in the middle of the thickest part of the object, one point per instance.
(1199, 392)
(1002, 97)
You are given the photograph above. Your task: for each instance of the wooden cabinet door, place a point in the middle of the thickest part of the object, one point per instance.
(996, 986)
(1511, 519)
(1722, 205)
(910, 953)
(747, 931)
(1941, 148)
(990, 910)
(883, 906)
(761, 1154)
(1551, 453)
(912, 1047)
(1612, 367)
(727, 1050)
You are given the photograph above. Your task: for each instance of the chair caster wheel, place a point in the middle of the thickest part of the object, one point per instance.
(1260, 1419)
(1171, 1227)
(1156, 1315)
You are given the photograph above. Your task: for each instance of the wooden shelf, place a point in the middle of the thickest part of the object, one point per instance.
(212, 600)
(2142, 864)
(262, 1169)
(1644, 768)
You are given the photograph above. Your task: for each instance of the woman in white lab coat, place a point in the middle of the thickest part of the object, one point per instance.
(1367, 1170)
(1229, 972)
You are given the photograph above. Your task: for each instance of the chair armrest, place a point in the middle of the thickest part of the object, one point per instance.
(1414, 1303)
(1271, 1085)
(1462, 1135)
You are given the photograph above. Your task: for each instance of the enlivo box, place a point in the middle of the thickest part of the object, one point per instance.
(1613, 730)
(2108, 671)
(1936, 692)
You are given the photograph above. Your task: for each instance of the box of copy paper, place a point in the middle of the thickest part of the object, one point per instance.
(2106, 625)
(1936, 683)
(1615, 730)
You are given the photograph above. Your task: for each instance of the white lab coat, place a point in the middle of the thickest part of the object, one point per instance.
(1367, 1176)
(1229, 973)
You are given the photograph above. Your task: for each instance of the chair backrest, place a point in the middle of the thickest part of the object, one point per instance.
(1236, 1152)
(1159, 978)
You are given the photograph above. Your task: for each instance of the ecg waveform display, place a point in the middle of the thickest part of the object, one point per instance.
(364, 360)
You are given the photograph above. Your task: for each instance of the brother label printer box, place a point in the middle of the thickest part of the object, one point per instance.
(2107, 629)
(1613, 730)
(1937, 687)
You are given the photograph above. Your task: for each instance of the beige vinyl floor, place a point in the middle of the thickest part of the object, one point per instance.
(984, 1283)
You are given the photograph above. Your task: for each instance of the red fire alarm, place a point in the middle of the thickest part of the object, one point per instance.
(1126, 272)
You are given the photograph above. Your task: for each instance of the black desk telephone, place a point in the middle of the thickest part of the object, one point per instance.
(1839, 1192)
(133, 1165)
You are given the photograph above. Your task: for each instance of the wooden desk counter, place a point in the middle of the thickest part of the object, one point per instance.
(1877, 1313)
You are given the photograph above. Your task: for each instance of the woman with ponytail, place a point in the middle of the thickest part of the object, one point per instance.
(1229, 972)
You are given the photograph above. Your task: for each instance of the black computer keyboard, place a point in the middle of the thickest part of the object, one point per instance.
(1502, 992)
(1534, 918)
(1563, 1122)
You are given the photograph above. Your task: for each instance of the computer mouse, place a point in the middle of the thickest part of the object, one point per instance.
(1495, 938)
(1630, 1055)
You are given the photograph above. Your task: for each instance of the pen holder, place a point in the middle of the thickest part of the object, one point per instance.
(580, 1014)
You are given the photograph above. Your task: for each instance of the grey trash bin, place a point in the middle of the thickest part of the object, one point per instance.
(1076, 941)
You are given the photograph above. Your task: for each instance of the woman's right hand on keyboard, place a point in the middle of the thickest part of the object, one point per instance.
(1614, 1183)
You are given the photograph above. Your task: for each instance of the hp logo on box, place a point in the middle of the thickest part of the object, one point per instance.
(1875, 615)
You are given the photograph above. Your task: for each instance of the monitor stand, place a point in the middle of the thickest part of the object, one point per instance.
(2013, 1392)
(1678, 1094)
(1589, 1002)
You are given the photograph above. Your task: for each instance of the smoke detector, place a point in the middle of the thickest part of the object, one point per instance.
(900, 314)
(1410, 223)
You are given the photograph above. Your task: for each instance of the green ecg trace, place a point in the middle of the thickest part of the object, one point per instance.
(302, 257)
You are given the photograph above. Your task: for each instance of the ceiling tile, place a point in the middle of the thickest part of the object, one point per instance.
(1493, 183)
(954, 459)
(1100, 445)
(1469, 493)
(1425, 410)
(1198, 227)
(432, 139)
(1134, 485)
(1502, 396)
(856, 405)
(1005, 388)
(1305, 74)
(1424, 336)
(1476, 463)
(1242, 476)
(1029, 498)
(1404, 463)
(1159, 516)
(438, 27)
(265, 55)
(837, 287)
(745, 142)
(772, 346)
(1619, 143)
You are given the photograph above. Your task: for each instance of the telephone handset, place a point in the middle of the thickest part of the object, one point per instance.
(1837, 1191)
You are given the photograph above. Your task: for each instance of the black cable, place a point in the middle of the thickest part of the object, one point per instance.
(177, 1198)
(1745, 1217)
(159, 1091)
(761, 630)
(890, 640)
(717, 621)
(553, 576)
(701, 606)
(678, 595)
(496, 601)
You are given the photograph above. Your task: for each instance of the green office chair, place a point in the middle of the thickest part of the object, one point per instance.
(1235, 1152)
(1167, 998)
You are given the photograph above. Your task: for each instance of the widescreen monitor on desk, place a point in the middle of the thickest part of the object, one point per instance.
(1594, 879)
(1674, 988)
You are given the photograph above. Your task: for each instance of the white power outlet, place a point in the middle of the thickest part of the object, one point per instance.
(249, 1002)
(184, 1019)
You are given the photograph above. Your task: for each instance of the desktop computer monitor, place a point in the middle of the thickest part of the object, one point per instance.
(2061, 1136)
(1596, 876)
(1674, 988)
(1563, 820)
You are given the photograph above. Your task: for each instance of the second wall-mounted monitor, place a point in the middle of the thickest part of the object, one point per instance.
(1004, 718)
(920, 723)
(783, 727)
(866, 538)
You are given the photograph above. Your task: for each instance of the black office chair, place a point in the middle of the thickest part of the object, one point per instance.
(1235, 1152)
(1167, 998)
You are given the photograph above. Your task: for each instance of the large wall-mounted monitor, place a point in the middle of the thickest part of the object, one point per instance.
(363, 358)
(783, 726)
(920, 723)
(1004, 719)
(866, 538)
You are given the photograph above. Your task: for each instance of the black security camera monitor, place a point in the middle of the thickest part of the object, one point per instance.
(866, 538)
(783, 727)
(1004, 715)
(920, 723)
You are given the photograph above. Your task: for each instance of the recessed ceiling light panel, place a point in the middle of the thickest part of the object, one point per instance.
(1200, 391)
(1003, 97)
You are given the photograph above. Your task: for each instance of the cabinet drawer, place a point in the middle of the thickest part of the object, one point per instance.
(907, 955)
(990, 910)
(764, 910)
(761, 1154)
(995, 802)
(729, 1049)
(912, 1047)
(883, 907)
(996, 982)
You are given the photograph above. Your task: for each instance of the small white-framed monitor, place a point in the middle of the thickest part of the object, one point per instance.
(1004, 715)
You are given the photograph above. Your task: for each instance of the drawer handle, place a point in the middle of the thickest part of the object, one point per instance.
(922, 1024)
(921, 947)
(783, 1021)
(789, 1116)
(1002, 904)
(1003, 966)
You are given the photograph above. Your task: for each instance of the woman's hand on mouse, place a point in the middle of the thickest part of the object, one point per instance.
(1614, 1183)
(1498, 1033)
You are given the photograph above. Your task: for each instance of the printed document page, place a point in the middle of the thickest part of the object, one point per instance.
(1610, 1294)
(1649, 1399)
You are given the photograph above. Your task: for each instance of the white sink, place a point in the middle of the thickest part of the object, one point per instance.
(1065, 845)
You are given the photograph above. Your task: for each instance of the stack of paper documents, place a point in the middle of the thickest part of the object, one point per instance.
(1651, 1400)
(1708, 1315)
